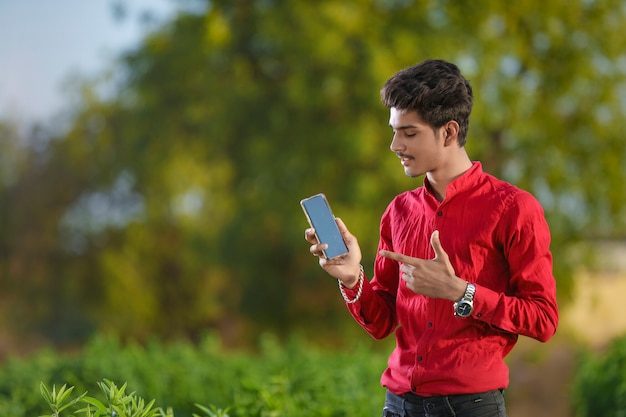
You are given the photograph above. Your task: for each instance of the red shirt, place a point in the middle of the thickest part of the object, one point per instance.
(496, 237)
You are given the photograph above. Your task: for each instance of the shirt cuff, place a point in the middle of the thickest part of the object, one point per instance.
(486, 303)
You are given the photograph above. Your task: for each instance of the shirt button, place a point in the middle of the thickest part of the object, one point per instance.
(430, 324)
(479, 315)
(419, 358)
(440, 213)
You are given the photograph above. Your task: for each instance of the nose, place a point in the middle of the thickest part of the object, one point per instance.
(396, 145)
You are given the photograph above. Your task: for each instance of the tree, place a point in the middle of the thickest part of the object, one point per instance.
(185, 183)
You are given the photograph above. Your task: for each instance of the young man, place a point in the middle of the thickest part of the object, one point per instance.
(463, 266)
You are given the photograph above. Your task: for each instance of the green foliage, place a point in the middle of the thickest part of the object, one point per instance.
(292, 378)
(118, 403)
(59, 401)
(210, 411)
(179, 190)
(599, 387)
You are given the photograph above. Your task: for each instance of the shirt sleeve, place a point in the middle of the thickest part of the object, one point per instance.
(375, 311)
(530, 307)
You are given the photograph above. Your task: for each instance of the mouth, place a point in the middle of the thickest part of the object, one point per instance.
(404, 158)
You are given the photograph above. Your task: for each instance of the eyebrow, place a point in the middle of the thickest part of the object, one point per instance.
(403, 127)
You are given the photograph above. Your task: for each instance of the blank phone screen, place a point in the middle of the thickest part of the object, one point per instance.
(322, 220)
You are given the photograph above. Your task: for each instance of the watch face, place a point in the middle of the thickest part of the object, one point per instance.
(463, 308)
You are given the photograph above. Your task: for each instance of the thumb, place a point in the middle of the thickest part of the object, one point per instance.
(342, 226)
(347, 236)
(436, 244)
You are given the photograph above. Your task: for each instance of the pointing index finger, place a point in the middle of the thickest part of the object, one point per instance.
(397, 257)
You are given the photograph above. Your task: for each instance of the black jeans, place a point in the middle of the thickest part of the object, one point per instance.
(485, 404)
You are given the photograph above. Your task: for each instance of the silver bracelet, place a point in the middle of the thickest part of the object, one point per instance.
(360, 290)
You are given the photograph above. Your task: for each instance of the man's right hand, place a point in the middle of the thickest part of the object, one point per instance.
(345, 268)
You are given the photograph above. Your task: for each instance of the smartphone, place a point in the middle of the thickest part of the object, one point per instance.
(321, 218)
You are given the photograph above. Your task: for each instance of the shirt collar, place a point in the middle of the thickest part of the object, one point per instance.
(466, 180)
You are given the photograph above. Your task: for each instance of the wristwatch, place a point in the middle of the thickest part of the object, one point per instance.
(464, 307)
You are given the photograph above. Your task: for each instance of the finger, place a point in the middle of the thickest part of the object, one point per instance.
(317, 250)
(436, 244)
(309, 235)
(407, 273)
(342, 228)
(407, 269)
(333, 262)
(398, 257)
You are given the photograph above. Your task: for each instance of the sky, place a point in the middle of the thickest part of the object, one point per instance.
(43, 43)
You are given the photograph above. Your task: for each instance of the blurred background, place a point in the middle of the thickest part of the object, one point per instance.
(153, 154)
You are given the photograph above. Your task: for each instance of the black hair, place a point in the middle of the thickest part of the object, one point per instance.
(436, 89)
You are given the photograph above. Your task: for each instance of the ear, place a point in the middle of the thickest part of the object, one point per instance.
(450, 132)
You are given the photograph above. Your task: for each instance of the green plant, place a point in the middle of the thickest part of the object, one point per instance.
(599, 388)
(59, 400)
(117, 403)
(278, 377)
(211, 411)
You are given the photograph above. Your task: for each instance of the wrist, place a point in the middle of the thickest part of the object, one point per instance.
(465, 306)
(459, 290)
(359, 291)
(351, 281)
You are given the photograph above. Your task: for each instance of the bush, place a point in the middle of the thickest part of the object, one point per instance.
(117, 403)
(278, 379)
(599, 388)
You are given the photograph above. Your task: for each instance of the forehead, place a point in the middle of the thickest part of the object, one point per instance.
(403, 119)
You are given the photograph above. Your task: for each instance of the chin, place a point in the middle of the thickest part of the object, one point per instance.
(412, 173)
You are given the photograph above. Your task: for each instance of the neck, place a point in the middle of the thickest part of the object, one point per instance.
(440, 178)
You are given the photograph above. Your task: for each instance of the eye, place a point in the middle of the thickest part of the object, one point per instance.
(404, 133)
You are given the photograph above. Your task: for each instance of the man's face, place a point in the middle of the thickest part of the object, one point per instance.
(418, 146)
